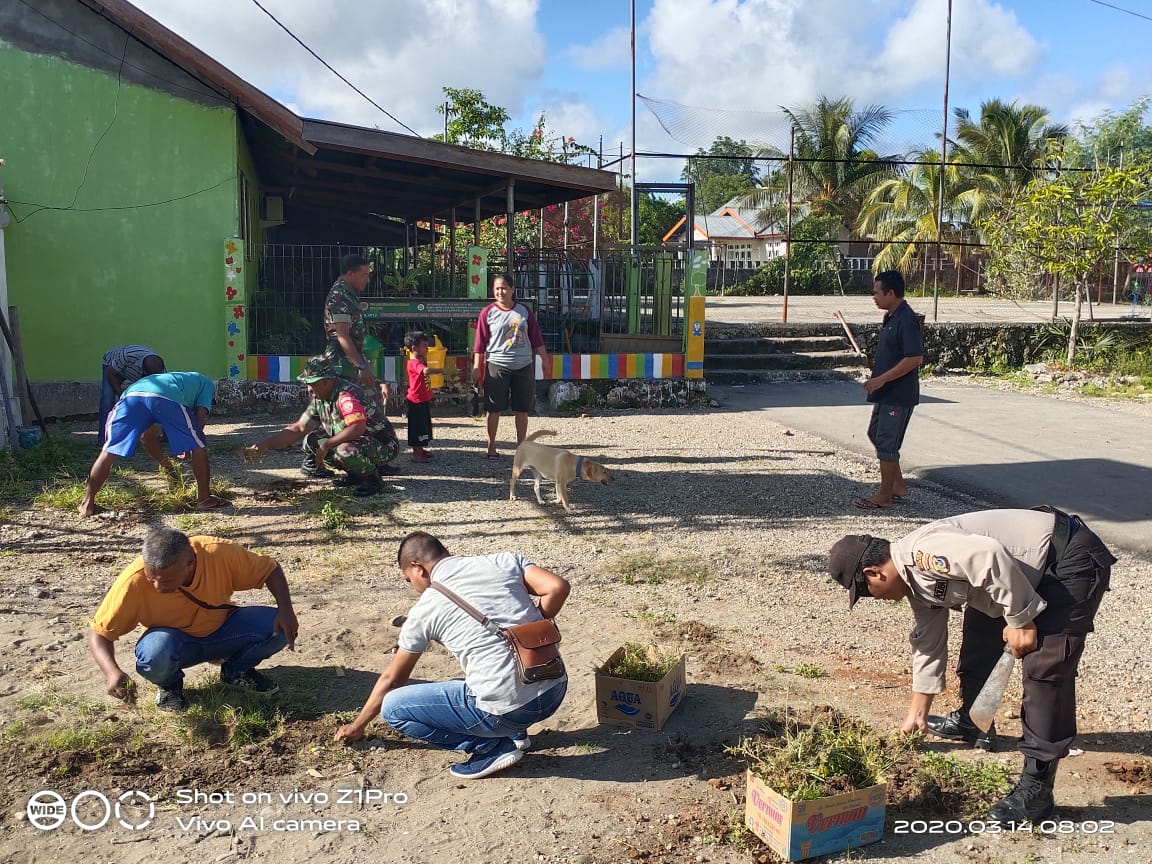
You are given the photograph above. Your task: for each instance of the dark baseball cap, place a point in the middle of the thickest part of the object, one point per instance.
(844, 565)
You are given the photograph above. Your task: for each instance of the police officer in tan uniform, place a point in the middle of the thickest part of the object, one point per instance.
(1030, 578)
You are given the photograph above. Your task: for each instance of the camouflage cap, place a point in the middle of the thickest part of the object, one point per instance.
(317, 369)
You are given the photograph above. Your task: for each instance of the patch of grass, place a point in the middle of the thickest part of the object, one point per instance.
(85, 739)
(648, 568)
(126, 491)
(6, 513)
(587, 748)
(16, 729)
(218, 714)
(728, 829)
(971, 786)
(333, 519)
(638, 662)
(809, 670)
(24, 472)
(826, 754)
(225, 445)
(652, 619)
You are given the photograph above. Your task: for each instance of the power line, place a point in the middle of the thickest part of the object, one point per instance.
(300, 42)
(75, 209)
(1121, 9)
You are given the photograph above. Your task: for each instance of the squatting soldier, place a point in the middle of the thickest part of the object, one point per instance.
(1030, 578)
(343, 426)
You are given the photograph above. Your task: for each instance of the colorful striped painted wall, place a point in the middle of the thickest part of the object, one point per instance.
(565, 367)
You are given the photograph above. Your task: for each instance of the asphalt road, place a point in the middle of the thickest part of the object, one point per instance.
(1011, 449)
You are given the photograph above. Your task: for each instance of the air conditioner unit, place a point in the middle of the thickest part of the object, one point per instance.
(273, 208)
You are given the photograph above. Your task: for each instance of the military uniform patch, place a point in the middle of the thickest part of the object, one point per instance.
(929, 563)
(940, 589)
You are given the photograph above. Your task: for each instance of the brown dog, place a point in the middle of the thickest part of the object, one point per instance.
(555, 464)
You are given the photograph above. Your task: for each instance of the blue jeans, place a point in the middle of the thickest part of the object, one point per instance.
(445, 715)
(107, 403)
(240, 643)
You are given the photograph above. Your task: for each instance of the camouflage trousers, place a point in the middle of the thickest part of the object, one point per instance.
(360, 458)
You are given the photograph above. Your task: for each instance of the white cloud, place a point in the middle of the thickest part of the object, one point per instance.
(1073, 100)
(987, 43)
(570, 116)
(611, 51)
(743, 56)
(399, 53)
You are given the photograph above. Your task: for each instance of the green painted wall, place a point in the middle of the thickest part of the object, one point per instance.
(84, 278)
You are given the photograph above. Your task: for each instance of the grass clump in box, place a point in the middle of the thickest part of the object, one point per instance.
(638, 662)
(820, 756)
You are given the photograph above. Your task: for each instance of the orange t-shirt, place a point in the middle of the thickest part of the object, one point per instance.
(221, 569)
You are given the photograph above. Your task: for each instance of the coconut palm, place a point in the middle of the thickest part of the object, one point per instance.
(838, 139)
(1005, 150)
(901, 210)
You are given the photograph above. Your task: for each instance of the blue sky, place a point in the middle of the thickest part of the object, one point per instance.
(569, 58)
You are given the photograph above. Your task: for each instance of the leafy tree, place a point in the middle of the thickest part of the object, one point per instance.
(1112, 139)
(1069, 224)
(1005, 150)
(657, 216)
(719, 180)
(814, 262)
(472, 121)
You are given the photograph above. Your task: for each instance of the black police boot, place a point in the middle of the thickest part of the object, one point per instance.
(310, 467)
(1031, 800)
(369, 486)
(958, 727)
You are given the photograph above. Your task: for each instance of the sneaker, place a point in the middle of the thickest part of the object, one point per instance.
(344, 480)
(252, 681)
(171, 700)
(368, 487)
(310, 468)
(522, 741)
(957, 727)
(505, 755)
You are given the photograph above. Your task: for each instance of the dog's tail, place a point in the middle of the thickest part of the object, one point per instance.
(540, 433)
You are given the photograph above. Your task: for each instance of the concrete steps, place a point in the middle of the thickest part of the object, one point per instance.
(780, 352)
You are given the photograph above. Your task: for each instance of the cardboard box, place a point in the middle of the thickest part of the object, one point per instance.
(638, 704)
(801, 829)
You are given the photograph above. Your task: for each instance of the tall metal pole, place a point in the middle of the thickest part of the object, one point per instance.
(943, 165)
(632, 96)
(788, 225)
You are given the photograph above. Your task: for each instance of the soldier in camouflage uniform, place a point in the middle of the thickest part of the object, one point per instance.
(343, 426)
(344, 322)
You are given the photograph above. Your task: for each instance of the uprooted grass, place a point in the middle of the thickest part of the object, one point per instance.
(823, 752)
(639, 662)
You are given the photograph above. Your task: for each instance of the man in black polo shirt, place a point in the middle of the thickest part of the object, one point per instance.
(894, 388)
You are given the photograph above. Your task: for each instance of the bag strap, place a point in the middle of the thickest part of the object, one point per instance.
(1061, 534)
(227, 606)
(485, 622)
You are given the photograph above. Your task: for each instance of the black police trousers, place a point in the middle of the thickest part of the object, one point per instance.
(1073, 588)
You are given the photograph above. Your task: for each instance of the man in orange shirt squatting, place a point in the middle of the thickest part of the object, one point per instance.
(180, 589)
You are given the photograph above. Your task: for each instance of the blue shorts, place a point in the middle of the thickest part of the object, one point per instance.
(886, 430)
(136, 412)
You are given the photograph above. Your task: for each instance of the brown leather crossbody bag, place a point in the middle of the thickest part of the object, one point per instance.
(534, 645)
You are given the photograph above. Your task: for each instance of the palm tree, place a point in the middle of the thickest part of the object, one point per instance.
(1009, 147)
(901, 210)
(843, 168)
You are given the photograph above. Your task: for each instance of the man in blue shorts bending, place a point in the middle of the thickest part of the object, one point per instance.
(179, 402)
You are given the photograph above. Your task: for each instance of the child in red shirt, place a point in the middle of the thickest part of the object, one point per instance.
(419, 396)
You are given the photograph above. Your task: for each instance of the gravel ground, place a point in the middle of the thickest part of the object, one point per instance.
(723, 519)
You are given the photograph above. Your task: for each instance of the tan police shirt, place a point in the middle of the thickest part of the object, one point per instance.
(992, 560)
